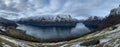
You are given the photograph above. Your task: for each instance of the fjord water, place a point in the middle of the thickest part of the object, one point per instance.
(48, 33)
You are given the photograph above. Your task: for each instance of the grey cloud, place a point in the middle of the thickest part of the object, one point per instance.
(76, 8)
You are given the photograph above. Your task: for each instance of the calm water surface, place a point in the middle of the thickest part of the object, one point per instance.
(46, 33)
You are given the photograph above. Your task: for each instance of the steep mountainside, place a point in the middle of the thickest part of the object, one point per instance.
(112, 19)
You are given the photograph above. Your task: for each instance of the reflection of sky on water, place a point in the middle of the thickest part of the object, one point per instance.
(55, 32)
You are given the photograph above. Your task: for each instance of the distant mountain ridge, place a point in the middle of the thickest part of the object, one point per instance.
(7, 23)
(57, 20)
(112, 19)
(93, 22)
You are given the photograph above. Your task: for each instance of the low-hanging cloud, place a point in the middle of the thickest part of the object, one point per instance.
(77, 8)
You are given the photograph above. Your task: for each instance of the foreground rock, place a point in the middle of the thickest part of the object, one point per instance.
(58, 20)
(90, 43)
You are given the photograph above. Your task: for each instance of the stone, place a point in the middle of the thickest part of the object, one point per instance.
(90, 42)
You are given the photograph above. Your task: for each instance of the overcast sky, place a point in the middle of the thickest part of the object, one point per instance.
(77, 8)
(82, 8)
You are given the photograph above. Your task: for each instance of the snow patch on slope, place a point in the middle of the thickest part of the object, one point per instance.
(17, 43)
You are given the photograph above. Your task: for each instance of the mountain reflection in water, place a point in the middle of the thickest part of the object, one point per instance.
(47, 33)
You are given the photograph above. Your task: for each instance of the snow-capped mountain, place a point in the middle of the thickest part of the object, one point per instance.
(115, 11)
(93, 22)
(47, 20)
(112, 19)
(51, 18)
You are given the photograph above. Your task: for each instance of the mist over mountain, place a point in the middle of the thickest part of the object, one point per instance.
(80, 9)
